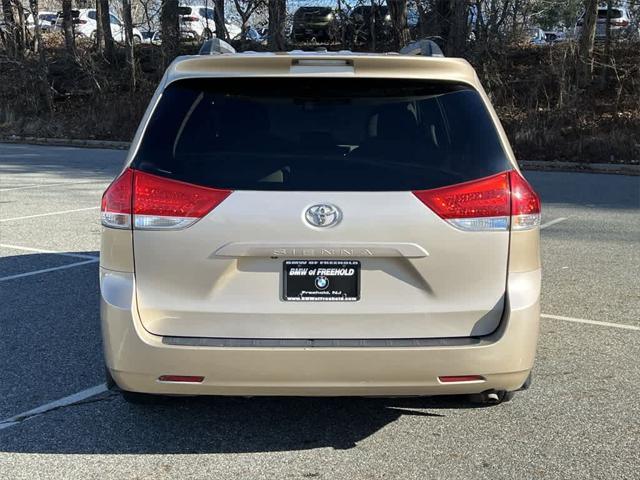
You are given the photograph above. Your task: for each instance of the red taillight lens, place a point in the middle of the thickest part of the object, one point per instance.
(461, 378)
(620, 23)
(189, 19)
(486, 204)
(116, 202)
(525, 203)
(158, 203)
(478, 205)
(181, 378)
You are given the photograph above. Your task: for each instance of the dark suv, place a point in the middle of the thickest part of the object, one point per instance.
(311, 23)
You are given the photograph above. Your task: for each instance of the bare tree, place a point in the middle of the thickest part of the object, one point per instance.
(604, 77)
(128, 34)
(105, 20)
(169, 29)
(99, 35)
(10, 32)
(458, 27)
(245, 9)
(67, 26)
(585, 44)
(218, 18)
(277, 16)
(37, 34)
(398, 12)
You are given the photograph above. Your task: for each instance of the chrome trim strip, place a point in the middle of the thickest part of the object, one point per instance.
(320, 342)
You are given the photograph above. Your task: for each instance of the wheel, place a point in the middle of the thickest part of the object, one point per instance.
(137, 40)
(207, 34)
(109, 381)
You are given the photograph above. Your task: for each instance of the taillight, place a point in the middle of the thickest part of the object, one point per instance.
(620, 23)
(488, 204)
(189, 19)
(525, 203)
(158, 203)
(116, 202)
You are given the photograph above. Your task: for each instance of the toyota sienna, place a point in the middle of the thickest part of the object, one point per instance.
(320, 224)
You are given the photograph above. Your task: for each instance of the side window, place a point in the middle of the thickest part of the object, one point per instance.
(91, 14)
(114, 20)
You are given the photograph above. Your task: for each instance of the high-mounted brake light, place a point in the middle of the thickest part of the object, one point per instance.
(156, 203)
(488, 204)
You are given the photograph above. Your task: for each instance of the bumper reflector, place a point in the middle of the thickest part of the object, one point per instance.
(461, 378)
(180, 378)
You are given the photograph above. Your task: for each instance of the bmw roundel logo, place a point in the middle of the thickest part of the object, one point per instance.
(322, 282)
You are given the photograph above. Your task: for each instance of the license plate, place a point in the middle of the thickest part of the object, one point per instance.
(321, 280)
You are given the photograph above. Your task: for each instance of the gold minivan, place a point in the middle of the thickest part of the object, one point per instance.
(320, 224)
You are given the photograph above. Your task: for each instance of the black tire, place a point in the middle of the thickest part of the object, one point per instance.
(109, 381)
(137, 40)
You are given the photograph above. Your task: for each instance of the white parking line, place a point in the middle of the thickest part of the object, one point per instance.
(40, 250)
(46, 270)
(63, 402)
(47, 214)
(591, 322)
(45, 185)
(552, 222)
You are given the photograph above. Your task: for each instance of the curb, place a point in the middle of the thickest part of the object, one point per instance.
(609, 168)
(60, 142)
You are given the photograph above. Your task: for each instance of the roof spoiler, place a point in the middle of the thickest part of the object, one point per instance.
(215, 46)
(425, 48)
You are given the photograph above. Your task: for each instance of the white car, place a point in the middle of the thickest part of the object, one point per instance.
(198, 21)
(85, 25)
(46, 21)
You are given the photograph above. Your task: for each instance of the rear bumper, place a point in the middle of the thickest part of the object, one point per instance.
(137, 358)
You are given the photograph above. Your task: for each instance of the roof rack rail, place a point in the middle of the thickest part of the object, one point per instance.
(424, 47)
(215, 46)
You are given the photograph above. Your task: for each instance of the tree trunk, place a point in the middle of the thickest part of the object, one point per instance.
(128, 35)
(218, 18)
(169, 30)
(585, 43)
(604, 76)
(37, 34)
(105, 20)
(10, 27)
(277, 16)
(67, 26)
(398, 11)
(457, 34)
(99, 35)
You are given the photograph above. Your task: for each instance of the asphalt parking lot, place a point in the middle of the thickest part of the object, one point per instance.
(580, 419)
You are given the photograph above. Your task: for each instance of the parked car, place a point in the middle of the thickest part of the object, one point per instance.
(344, 227)
(621, 25)
(314, 23)
(46, 21)
(360, 19)
(198, 22)
(85, 25)
(147, 36)
(536, 36)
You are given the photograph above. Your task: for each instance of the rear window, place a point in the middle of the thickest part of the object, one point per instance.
(602, 13)
(326, 134)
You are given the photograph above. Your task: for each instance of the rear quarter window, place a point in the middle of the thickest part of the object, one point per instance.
(320, 135)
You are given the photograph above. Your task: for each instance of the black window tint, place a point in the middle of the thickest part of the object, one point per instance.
(91, 14)
(320, 134)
